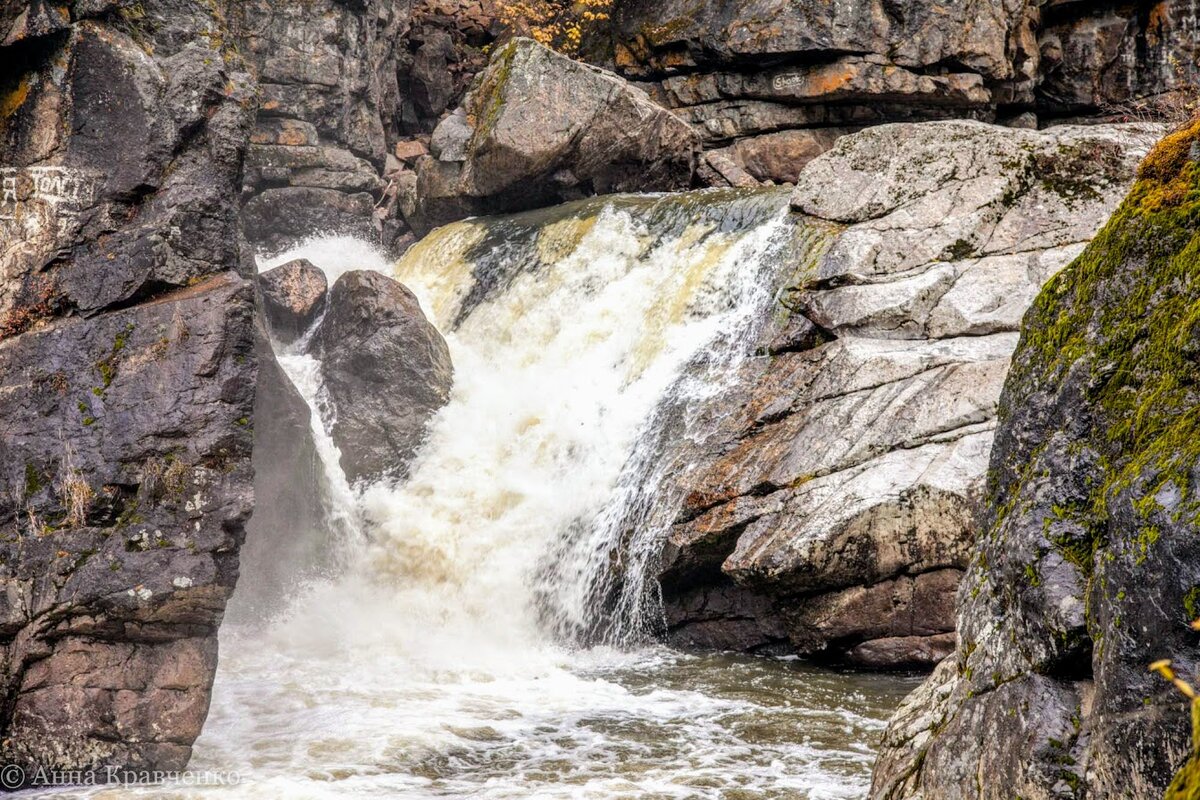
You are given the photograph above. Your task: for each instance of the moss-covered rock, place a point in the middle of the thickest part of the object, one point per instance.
(1092, 489)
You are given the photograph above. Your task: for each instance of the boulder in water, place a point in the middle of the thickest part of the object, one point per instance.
(293, 296)
(538, 128)
(386, 370)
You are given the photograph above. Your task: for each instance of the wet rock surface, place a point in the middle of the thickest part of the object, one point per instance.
(1086, 568)
(293, 297)
(386, 370)
(127, 375)
(292, 535)
(538, 128)
(844, 490)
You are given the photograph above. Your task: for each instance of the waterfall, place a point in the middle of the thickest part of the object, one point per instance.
(487, 632)
(575, 334)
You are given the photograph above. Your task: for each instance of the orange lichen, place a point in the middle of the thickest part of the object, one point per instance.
(10, 102)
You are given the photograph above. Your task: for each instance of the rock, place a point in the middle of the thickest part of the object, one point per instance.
(903, 652)
(410, 150)
(781, 156)
(1088, 560)
(429, 79)
(718, 169)
(851, 473)
(127, 372)
(275, 219)
(886, 616)
(386, 370)
(293, 297)
(986, 36)
(724, 617)
(448, 42)
(537, 128)
(1110, 62)
(292, 535)
(330, 110)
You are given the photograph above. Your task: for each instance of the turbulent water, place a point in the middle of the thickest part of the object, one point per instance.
(487, 631)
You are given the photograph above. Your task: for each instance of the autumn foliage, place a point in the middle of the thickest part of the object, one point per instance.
(560, 24)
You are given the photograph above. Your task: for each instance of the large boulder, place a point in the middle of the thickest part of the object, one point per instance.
(537, 128)
(844, 488)
(386, 371)
(293, 297)
(1088, 564)
(127, 377)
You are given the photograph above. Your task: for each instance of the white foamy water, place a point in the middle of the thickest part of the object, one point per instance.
(442, 660)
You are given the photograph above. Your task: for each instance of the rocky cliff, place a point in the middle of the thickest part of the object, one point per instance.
(835, 510)
(771, 83)
(350, 95)
(127, 374)
(353, 92)
(1088, 567)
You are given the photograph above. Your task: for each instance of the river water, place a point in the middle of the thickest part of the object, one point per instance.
(476, 639)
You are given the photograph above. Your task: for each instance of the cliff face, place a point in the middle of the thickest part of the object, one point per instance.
(835, 509)
(330, 103)
(350, 93)
(354, 91)
(1088, 567)
(771, 83)
(127, 372)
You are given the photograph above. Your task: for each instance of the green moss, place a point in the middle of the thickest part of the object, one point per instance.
(1186, 785)
(1145, 539)
(1128, 312)
(33, 480)
(107, 367)
(491, 89)
(1191, 604)
(959, 250)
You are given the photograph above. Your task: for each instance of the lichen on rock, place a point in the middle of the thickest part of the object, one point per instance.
(1089, 556)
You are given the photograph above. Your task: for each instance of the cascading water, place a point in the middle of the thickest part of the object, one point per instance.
(445, 658)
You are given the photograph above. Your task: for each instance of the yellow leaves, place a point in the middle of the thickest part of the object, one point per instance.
(558, 24)
(1163, 668)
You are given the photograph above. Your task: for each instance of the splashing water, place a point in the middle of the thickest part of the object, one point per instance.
(444, 660)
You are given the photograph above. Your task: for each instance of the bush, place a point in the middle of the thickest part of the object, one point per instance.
(559, 24)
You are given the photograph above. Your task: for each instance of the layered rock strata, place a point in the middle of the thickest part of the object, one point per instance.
(770, 83)
(834, 511)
